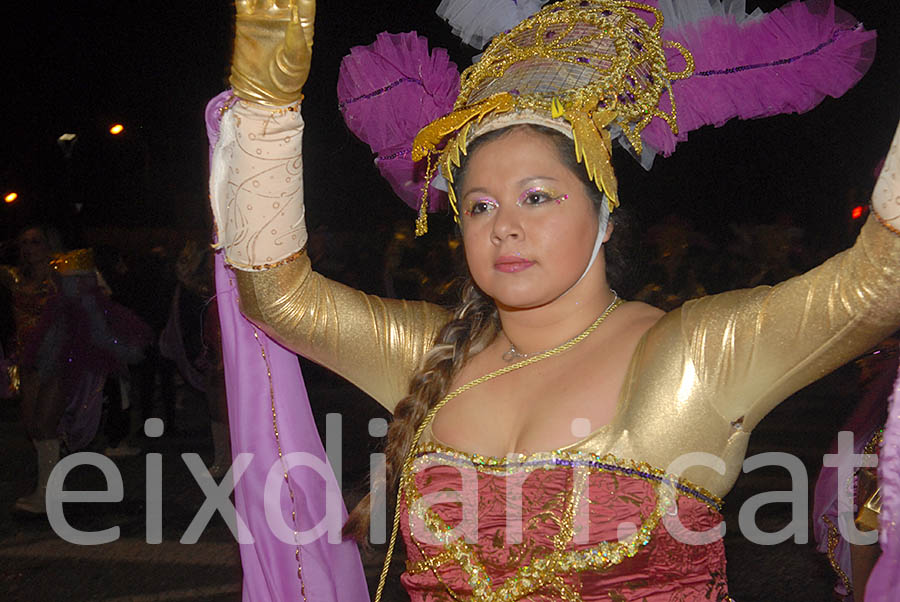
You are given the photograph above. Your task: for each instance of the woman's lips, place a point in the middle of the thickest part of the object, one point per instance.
(510, 264)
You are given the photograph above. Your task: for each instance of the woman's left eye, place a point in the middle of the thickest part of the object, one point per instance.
(536, 197)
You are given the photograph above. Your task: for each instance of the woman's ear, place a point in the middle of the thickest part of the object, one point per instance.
(610, 226)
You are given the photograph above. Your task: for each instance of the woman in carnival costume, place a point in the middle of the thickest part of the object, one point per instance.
(550, 441)
(70, 337)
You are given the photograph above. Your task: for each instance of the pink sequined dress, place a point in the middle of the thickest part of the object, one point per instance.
(590, 528)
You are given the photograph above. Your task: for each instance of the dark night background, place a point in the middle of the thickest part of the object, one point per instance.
(79, 67)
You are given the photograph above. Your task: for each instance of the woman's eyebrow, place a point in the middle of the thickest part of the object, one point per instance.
(520, 183)
(530, 179)
(475, 191)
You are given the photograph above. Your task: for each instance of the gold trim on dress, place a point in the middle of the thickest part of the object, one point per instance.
(833, 539)
(297, 553)
(543, 572)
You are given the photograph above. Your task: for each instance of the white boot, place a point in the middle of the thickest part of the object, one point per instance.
(221, 449)
(47, 457)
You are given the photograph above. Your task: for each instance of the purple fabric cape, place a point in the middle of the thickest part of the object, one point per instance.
(866, 419)
(275, 569)
(884, 582)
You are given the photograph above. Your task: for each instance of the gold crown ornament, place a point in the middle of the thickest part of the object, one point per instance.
(70, 263)
(591, 69)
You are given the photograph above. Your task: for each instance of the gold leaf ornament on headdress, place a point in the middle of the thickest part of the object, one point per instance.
(582, 67)
(593, 148)
(433, 134)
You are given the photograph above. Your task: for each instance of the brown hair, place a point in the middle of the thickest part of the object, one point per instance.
(474, 325)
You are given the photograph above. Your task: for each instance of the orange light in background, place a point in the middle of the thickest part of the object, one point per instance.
(117, 129)
(857, 212)
(11, 197)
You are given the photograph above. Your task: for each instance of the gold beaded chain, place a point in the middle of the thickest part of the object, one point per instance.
(515, 354)
(453, 394)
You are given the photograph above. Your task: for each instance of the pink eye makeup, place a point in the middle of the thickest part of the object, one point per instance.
(531, 197)
(539, 196)
(482, 205)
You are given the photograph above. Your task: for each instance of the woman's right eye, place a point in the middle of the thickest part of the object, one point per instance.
(481, 206)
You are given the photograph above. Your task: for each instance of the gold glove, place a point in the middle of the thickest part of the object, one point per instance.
(272, 50)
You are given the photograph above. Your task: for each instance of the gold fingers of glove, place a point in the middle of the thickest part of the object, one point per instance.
(272, 50)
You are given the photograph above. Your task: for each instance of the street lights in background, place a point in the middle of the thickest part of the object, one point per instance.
(66, 143)
(107, 179)
(11, 198)
(127, 192)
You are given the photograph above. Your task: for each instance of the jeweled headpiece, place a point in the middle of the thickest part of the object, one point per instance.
(596, 70)
(77, 262)
(583, 67)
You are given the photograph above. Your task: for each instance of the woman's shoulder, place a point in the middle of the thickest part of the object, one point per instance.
(633, 321)
(639, 314)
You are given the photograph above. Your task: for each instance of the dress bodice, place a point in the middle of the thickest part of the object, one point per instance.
(699, 381)
(562, 525)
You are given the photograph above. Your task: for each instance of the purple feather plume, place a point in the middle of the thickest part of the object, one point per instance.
(786, 61)
(387, 92)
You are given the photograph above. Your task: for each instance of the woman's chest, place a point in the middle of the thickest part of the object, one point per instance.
(542, 407)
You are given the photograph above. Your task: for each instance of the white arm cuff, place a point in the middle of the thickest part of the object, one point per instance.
(886, 196)
(256, 185)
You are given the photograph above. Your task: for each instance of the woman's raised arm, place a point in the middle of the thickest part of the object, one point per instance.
(377, 344)
(751, 349)
(257, 195)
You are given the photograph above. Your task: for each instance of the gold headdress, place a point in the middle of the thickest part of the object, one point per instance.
(71, 263)
(588, 68)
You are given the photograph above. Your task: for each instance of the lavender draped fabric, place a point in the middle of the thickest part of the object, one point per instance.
(884, 582)
(84, 404)
(272, 425)
(866, 419)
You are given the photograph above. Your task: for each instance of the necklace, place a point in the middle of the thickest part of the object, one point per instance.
(531, 358)
(514, 355)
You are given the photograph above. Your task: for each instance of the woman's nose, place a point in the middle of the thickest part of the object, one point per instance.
(507, 223)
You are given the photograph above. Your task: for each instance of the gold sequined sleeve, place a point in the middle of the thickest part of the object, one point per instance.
(377, 344)
(751, 349)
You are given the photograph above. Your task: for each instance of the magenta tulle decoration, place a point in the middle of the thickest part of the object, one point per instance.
(786, 61)
(387, 92)
(884, 582)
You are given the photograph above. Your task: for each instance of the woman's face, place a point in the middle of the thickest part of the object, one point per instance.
(34, 247)
(528, 224)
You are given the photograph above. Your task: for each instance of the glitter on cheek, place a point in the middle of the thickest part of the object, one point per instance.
(560, 199)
